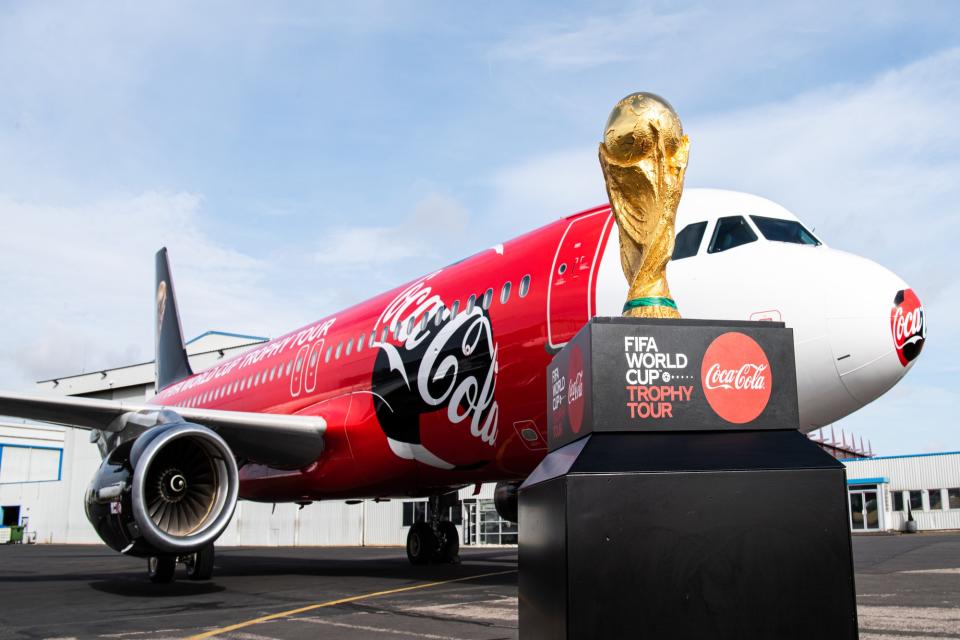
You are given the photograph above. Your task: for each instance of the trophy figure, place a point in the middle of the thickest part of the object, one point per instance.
(644, 157)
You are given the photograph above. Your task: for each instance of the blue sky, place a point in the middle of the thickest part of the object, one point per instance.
(299, 157)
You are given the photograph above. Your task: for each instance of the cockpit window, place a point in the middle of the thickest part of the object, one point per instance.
(731, 231)
(688, 240)
(780, 230)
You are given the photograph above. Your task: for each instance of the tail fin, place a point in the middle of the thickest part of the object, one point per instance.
(171, 356)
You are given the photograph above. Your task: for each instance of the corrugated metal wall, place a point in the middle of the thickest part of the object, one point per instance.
(913, 473)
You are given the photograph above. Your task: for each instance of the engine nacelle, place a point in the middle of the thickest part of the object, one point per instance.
(506, 500)
(171, 491)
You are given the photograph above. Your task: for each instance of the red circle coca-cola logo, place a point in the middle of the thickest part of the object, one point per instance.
(575, 388)
(907, 326)
(736, 377)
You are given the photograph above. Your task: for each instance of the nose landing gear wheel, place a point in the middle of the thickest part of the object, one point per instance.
(200, 564)
(161, 568)
(421, 543)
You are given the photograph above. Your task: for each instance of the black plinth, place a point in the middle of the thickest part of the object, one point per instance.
(690, 527)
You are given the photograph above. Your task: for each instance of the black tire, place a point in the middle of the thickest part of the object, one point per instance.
(200, 564)
(448, 546)
(160, 569)
(421, 543)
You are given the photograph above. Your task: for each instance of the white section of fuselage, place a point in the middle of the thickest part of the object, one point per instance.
(837, 304)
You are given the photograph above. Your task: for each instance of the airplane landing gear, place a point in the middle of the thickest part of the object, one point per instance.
(199, 565)
(436, 540)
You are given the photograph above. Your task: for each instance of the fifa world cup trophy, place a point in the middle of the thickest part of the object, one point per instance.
(644, 158)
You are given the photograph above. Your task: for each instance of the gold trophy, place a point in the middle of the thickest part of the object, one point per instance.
(644, 157)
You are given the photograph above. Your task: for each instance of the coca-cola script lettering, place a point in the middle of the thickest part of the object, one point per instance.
(736, 377)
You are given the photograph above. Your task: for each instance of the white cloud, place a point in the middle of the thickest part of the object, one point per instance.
(77, 282)
(433, 222)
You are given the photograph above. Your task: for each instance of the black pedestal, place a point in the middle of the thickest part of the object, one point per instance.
(686, 525)
(735, 535)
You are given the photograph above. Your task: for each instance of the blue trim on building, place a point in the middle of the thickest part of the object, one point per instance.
(909, 455)
(227, 334)
(856, 481)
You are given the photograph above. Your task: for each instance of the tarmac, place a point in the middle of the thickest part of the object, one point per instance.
(907, 587)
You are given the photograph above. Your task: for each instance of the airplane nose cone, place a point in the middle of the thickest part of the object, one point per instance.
(875, 325)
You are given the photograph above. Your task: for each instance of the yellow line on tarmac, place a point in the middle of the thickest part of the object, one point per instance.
(333, 603)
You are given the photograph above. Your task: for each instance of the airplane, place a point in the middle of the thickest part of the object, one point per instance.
(439, 383)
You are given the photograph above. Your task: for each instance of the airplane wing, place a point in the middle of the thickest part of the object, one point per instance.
(286, 441)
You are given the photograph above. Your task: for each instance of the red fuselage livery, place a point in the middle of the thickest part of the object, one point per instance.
(436, 384)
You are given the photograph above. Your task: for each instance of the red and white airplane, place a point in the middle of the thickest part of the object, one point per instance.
(439, 383)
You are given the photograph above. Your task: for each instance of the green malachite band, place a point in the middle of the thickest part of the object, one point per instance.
(649, 302)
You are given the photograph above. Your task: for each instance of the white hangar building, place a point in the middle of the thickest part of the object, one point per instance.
(45, 470)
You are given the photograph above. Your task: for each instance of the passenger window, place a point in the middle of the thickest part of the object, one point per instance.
(455, 309)
(505, 292)
(349, 347)
(373, 337)
(409, 326)
(731, 231)
(471, 301)
(487, 299)
(360, 341)
(439, 318)
(313, 358)
(289, 366)
(780, 230)
(525, 286)
(273, 371)
(326, 358)
(688, 240)
(336, 354)
(383, 338)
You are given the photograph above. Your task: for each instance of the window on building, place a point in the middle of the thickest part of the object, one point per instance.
(487, 298)
(29, 464)
(414, 512)
(953, 498)
(688, 240)
(779, 230)
(525, 286)
(505, 292)
(898, 500)
(11, 515)
(916, 500)
(731, 231)
(935, 498)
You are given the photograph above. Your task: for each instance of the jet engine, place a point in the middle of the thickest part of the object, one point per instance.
(505, 499)
(170, 491)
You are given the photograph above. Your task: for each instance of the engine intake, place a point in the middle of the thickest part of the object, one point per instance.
(172, 492)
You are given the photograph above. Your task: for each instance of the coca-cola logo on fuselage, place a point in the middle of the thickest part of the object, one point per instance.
(434, 380)
(907, 326)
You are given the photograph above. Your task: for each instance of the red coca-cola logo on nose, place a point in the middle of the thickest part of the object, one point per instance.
(736, 377)
(907, 326)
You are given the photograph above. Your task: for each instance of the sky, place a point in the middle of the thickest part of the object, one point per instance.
(299, 157)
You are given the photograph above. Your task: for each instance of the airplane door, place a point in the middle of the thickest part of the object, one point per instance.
(571, 290)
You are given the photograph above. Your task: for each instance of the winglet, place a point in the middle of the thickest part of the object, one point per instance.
(171, 356)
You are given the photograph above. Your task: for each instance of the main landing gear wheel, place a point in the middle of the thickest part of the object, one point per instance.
(421, 543)
(161, 568)
(448, 549)
(200, 564)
